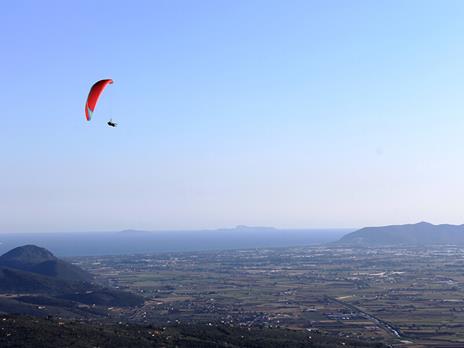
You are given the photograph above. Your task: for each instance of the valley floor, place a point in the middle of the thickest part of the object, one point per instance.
(401, 296)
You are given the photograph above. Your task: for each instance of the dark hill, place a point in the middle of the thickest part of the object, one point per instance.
(34, 259)
(105, 297)
(19, 281)
(422, 233)
(62, 270)
(33, 270)
(14, 281)
(26, 255)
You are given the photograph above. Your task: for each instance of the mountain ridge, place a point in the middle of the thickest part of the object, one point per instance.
(422, 233)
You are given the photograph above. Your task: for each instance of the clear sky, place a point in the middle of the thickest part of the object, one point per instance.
(284, 113)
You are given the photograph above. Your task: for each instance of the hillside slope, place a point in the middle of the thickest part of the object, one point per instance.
(422, 233)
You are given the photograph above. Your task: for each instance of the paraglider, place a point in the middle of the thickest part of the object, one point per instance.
(93, 96)
(111, 123)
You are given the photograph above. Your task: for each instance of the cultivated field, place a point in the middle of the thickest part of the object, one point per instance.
(403, 296)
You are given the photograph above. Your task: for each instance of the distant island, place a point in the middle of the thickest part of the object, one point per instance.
(422, 233)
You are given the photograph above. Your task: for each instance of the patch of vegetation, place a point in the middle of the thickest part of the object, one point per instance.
(23, 331)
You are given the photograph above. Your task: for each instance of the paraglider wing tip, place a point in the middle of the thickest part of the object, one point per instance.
(88, 113)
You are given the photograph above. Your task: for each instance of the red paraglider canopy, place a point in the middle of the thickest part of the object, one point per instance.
(94, 94)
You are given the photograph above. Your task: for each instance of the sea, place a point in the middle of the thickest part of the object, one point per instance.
(134, 242)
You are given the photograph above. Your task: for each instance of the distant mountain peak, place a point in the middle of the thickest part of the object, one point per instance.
(246, 227)
(28, 254)
(32, 258)
(130, 231)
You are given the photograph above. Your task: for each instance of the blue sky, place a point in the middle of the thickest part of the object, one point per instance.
(284, 113)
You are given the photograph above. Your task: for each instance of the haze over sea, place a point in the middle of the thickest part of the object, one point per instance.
(132, 241)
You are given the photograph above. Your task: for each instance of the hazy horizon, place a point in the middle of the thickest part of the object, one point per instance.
(125, 243)
(237, 227)
(225, 228)
(309, 114)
